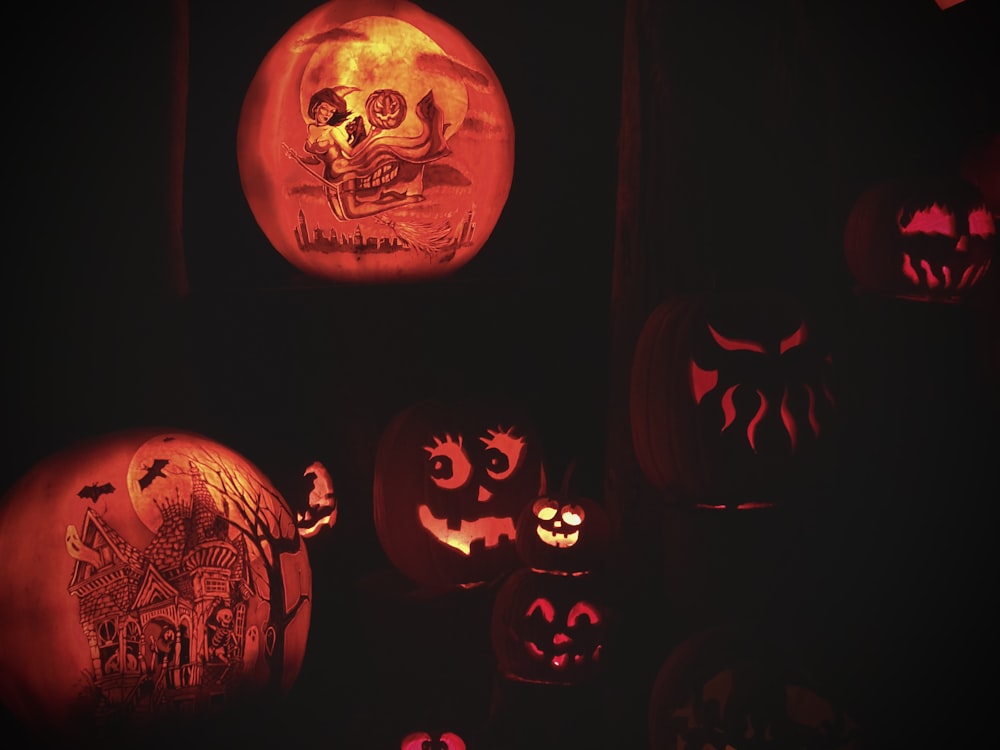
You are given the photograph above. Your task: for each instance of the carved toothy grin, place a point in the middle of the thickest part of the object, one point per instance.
(490, 530)
(557, 538)
(941, 278)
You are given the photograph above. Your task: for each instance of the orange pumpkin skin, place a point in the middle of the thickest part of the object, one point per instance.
(451, 479)
(136, 586)
(731, 400)
(411, 184)
(928, 240)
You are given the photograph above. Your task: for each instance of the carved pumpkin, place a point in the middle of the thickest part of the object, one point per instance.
(451, 479)
(550, 629)
(722, 688)
(564, 533)
(731, 401)
(426, 741)
(929, 240)
(149, 572)
(364, 166)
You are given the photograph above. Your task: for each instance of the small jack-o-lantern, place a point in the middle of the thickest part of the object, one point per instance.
(375, 144)
(550, 629)
(731, 400)
(929, 240)
(564, 533)
(149, 573)
(427, 741)
(451, 479)
(724, 688)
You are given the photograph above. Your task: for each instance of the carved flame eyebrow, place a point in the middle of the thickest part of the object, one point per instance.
(796, 339)
(733, 345)
(981, 223)
(931, 220)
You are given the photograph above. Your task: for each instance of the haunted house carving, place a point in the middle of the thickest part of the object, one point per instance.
(166, 624)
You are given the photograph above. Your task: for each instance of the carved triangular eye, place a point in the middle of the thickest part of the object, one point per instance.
(734, 345)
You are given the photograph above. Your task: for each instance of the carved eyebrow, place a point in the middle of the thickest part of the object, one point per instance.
(733, 345)
(796, 339)
(931, 220)
(548, 611)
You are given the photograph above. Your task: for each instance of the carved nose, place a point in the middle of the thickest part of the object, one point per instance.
(963, 244)
(484, 494)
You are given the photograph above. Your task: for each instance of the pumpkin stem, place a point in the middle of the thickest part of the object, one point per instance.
(570, 468)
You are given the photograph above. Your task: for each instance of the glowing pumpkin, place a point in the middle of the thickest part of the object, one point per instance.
(929, 240)
(724, 688)
(375, 144)
(731, 402)
(564, 533)
(550, 629)
(426, 741)
(148, 573)
(451, 479)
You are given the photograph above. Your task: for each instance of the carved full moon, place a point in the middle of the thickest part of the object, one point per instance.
(398, 196)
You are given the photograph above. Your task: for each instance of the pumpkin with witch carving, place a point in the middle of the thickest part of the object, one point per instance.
(149, 572)
(375, 144)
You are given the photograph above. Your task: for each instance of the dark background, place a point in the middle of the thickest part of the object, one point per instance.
(142, 294)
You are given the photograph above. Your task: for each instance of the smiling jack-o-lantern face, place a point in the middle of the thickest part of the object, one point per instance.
(731, 400)
(549, 629)
(561, 533)
(375, 144)
(929, 240)
(450, 483)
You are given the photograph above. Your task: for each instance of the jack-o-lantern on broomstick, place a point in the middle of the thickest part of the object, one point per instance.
(375, 144)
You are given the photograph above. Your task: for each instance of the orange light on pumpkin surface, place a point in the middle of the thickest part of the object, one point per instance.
(148, 574)
(375, 144)
(451, 479)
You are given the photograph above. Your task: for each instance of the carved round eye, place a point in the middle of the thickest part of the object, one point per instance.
(448, 465)
(545, 509)
(503, 452)
(573, 515)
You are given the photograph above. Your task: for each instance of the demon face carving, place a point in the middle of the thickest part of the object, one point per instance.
(731, 400)
(450, 483)
(928, 240)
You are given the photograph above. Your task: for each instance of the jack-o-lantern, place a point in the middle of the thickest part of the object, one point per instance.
(928, 240)
(731, 400)
(550, 629)
(726, 689)
(564, 533)
(427, 741)
(375, 144)
(150, 574)
(451, 480)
